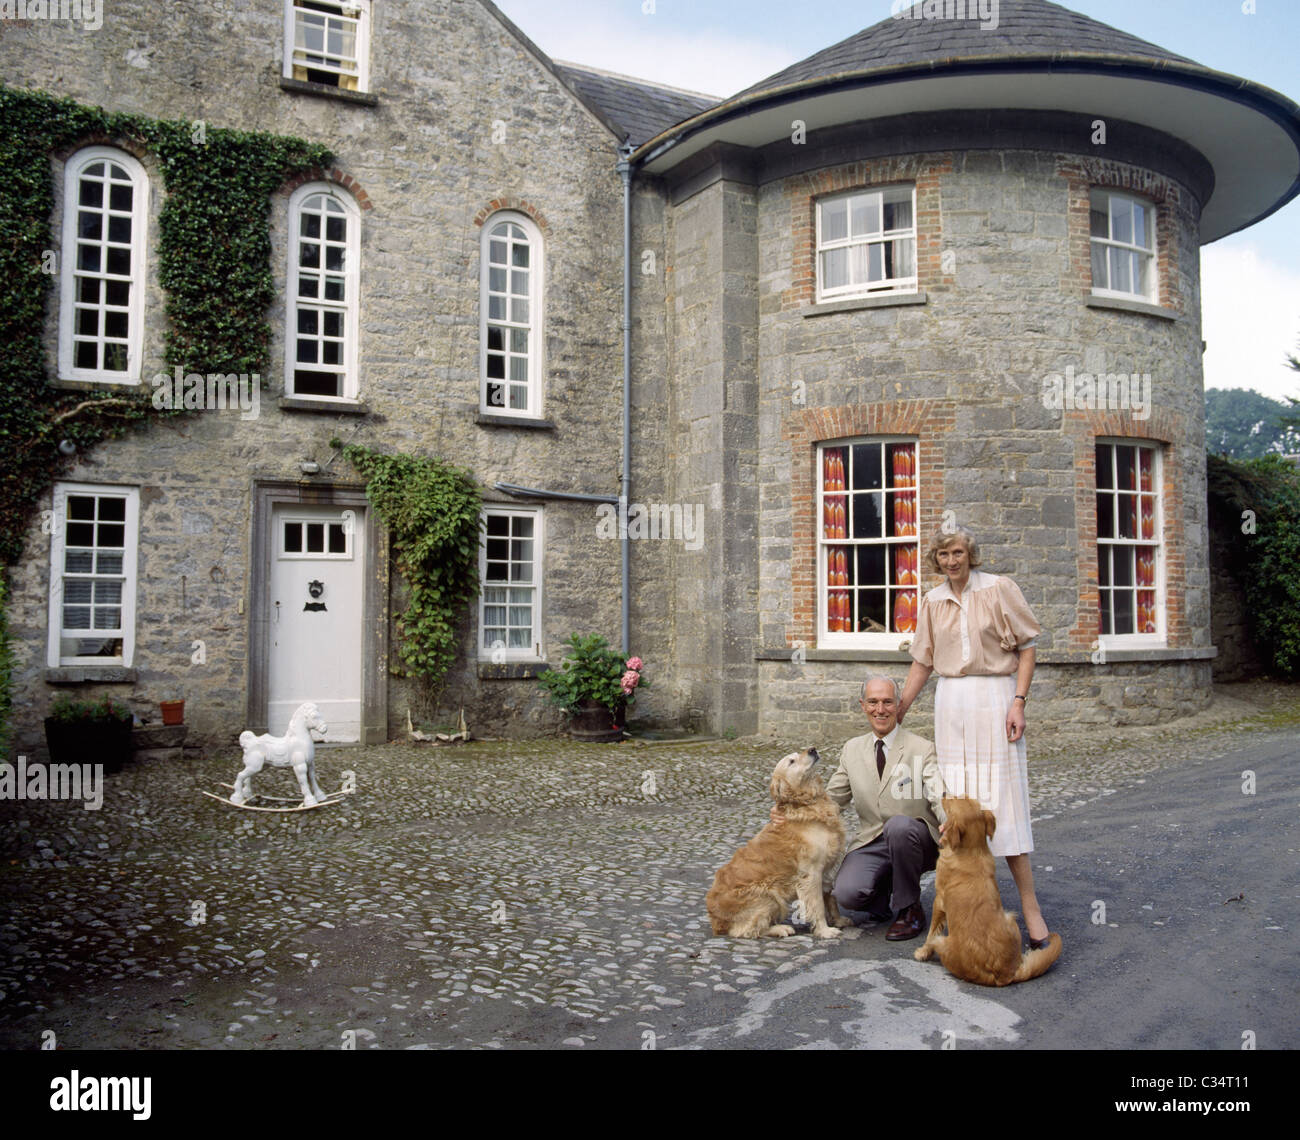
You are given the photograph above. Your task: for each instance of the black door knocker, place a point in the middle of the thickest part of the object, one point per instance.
(315, 588)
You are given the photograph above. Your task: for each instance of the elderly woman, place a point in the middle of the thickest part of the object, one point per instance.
(977, 631)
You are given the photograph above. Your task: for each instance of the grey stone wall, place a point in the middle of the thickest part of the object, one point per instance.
(715, 358)
(465, 116)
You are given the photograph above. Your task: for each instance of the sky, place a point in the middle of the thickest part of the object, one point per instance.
(1250, 281)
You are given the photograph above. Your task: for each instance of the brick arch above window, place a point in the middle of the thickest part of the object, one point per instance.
(514, 202)
(929, 420)
(332, 174)
(1084, 175)
(132, 146)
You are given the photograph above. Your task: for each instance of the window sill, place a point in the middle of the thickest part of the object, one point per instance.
(512, 671)
(878, 301)
(71, 385)
(102, 674)
(1042, 657)
(1122, 305)
(302, 87)
(486, 420)
(340, 407)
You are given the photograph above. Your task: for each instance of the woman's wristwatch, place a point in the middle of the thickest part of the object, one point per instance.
(1020, 697)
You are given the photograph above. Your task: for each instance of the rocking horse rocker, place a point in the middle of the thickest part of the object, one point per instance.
(296, 750)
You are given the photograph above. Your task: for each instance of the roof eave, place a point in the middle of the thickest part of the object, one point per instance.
(1262, 100)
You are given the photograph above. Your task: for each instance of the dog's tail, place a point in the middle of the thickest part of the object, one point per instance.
(1037, 962)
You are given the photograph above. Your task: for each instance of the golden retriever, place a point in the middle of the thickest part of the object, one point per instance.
(752, 894)
(983, 940)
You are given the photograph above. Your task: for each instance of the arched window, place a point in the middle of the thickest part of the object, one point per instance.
(321, 310)
(101, 305)
(510, 301)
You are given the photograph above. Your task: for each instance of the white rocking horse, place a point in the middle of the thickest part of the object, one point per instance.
(296, 750)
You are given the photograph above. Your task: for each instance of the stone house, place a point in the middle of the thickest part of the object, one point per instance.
(937, 273)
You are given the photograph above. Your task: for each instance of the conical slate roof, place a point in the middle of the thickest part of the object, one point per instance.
(1028, 55)
(1025, 29)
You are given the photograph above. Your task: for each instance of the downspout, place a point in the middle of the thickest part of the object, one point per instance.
(625, 169)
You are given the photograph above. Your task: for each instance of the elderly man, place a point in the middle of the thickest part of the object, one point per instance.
(892, 776)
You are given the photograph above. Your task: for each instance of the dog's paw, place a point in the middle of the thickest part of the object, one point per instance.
(843, 922)
(779, 930)
(825, 932)
(923, 953)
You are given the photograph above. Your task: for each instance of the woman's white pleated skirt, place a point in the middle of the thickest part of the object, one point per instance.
(976, 760)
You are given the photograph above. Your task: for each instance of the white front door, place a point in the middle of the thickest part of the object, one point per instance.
(315, 617)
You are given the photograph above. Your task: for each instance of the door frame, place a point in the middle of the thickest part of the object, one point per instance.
(270, 493)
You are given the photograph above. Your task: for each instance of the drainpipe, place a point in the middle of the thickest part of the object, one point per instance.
(625, 170)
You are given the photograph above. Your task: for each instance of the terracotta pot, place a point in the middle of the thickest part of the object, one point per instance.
(593, 722)
(173, 712)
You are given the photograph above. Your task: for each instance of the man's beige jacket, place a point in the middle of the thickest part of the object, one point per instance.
(912, 784)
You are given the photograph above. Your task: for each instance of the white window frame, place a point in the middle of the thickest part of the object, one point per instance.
(73, 172)
(887, 639)
(348, 368)
(1145, 254)
(534, 326)
(354, 74)
(129, 575)
(534, 651)
(345, 555)
(851, 240)
(1136, 640)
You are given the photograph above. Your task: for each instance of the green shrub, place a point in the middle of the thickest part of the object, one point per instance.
(591, 671)
(1261, 499)
(68, 708)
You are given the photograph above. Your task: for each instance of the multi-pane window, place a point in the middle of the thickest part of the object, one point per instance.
(92, 575)
(1129, 563)
(101, 308)
(321, 323)
(1123, 245)
(866, 243)
(315, 538)
(509, 300)
(510, 585)
(868, 551)
(327, 41)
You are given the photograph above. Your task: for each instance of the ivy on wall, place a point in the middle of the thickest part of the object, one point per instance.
(432, 511)
(214, 260)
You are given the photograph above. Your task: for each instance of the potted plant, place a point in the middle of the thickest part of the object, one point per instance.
(90, 731)
(173, 712)
(594, 685)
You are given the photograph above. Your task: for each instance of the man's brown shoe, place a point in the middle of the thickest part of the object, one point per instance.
(908, 924)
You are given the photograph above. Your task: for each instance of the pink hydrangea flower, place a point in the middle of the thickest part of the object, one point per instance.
(634, 663)
(629, 681)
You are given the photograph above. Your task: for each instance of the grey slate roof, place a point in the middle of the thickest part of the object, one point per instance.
(635, 107)
(1024, 28)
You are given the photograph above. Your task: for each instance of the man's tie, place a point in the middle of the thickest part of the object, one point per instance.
(880, 758)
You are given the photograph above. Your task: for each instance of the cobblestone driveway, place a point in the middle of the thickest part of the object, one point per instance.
(491, 894)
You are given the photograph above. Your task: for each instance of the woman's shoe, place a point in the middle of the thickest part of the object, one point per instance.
(1040, 943)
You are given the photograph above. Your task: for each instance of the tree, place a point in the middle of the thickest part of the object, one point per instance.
(1246, 425)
